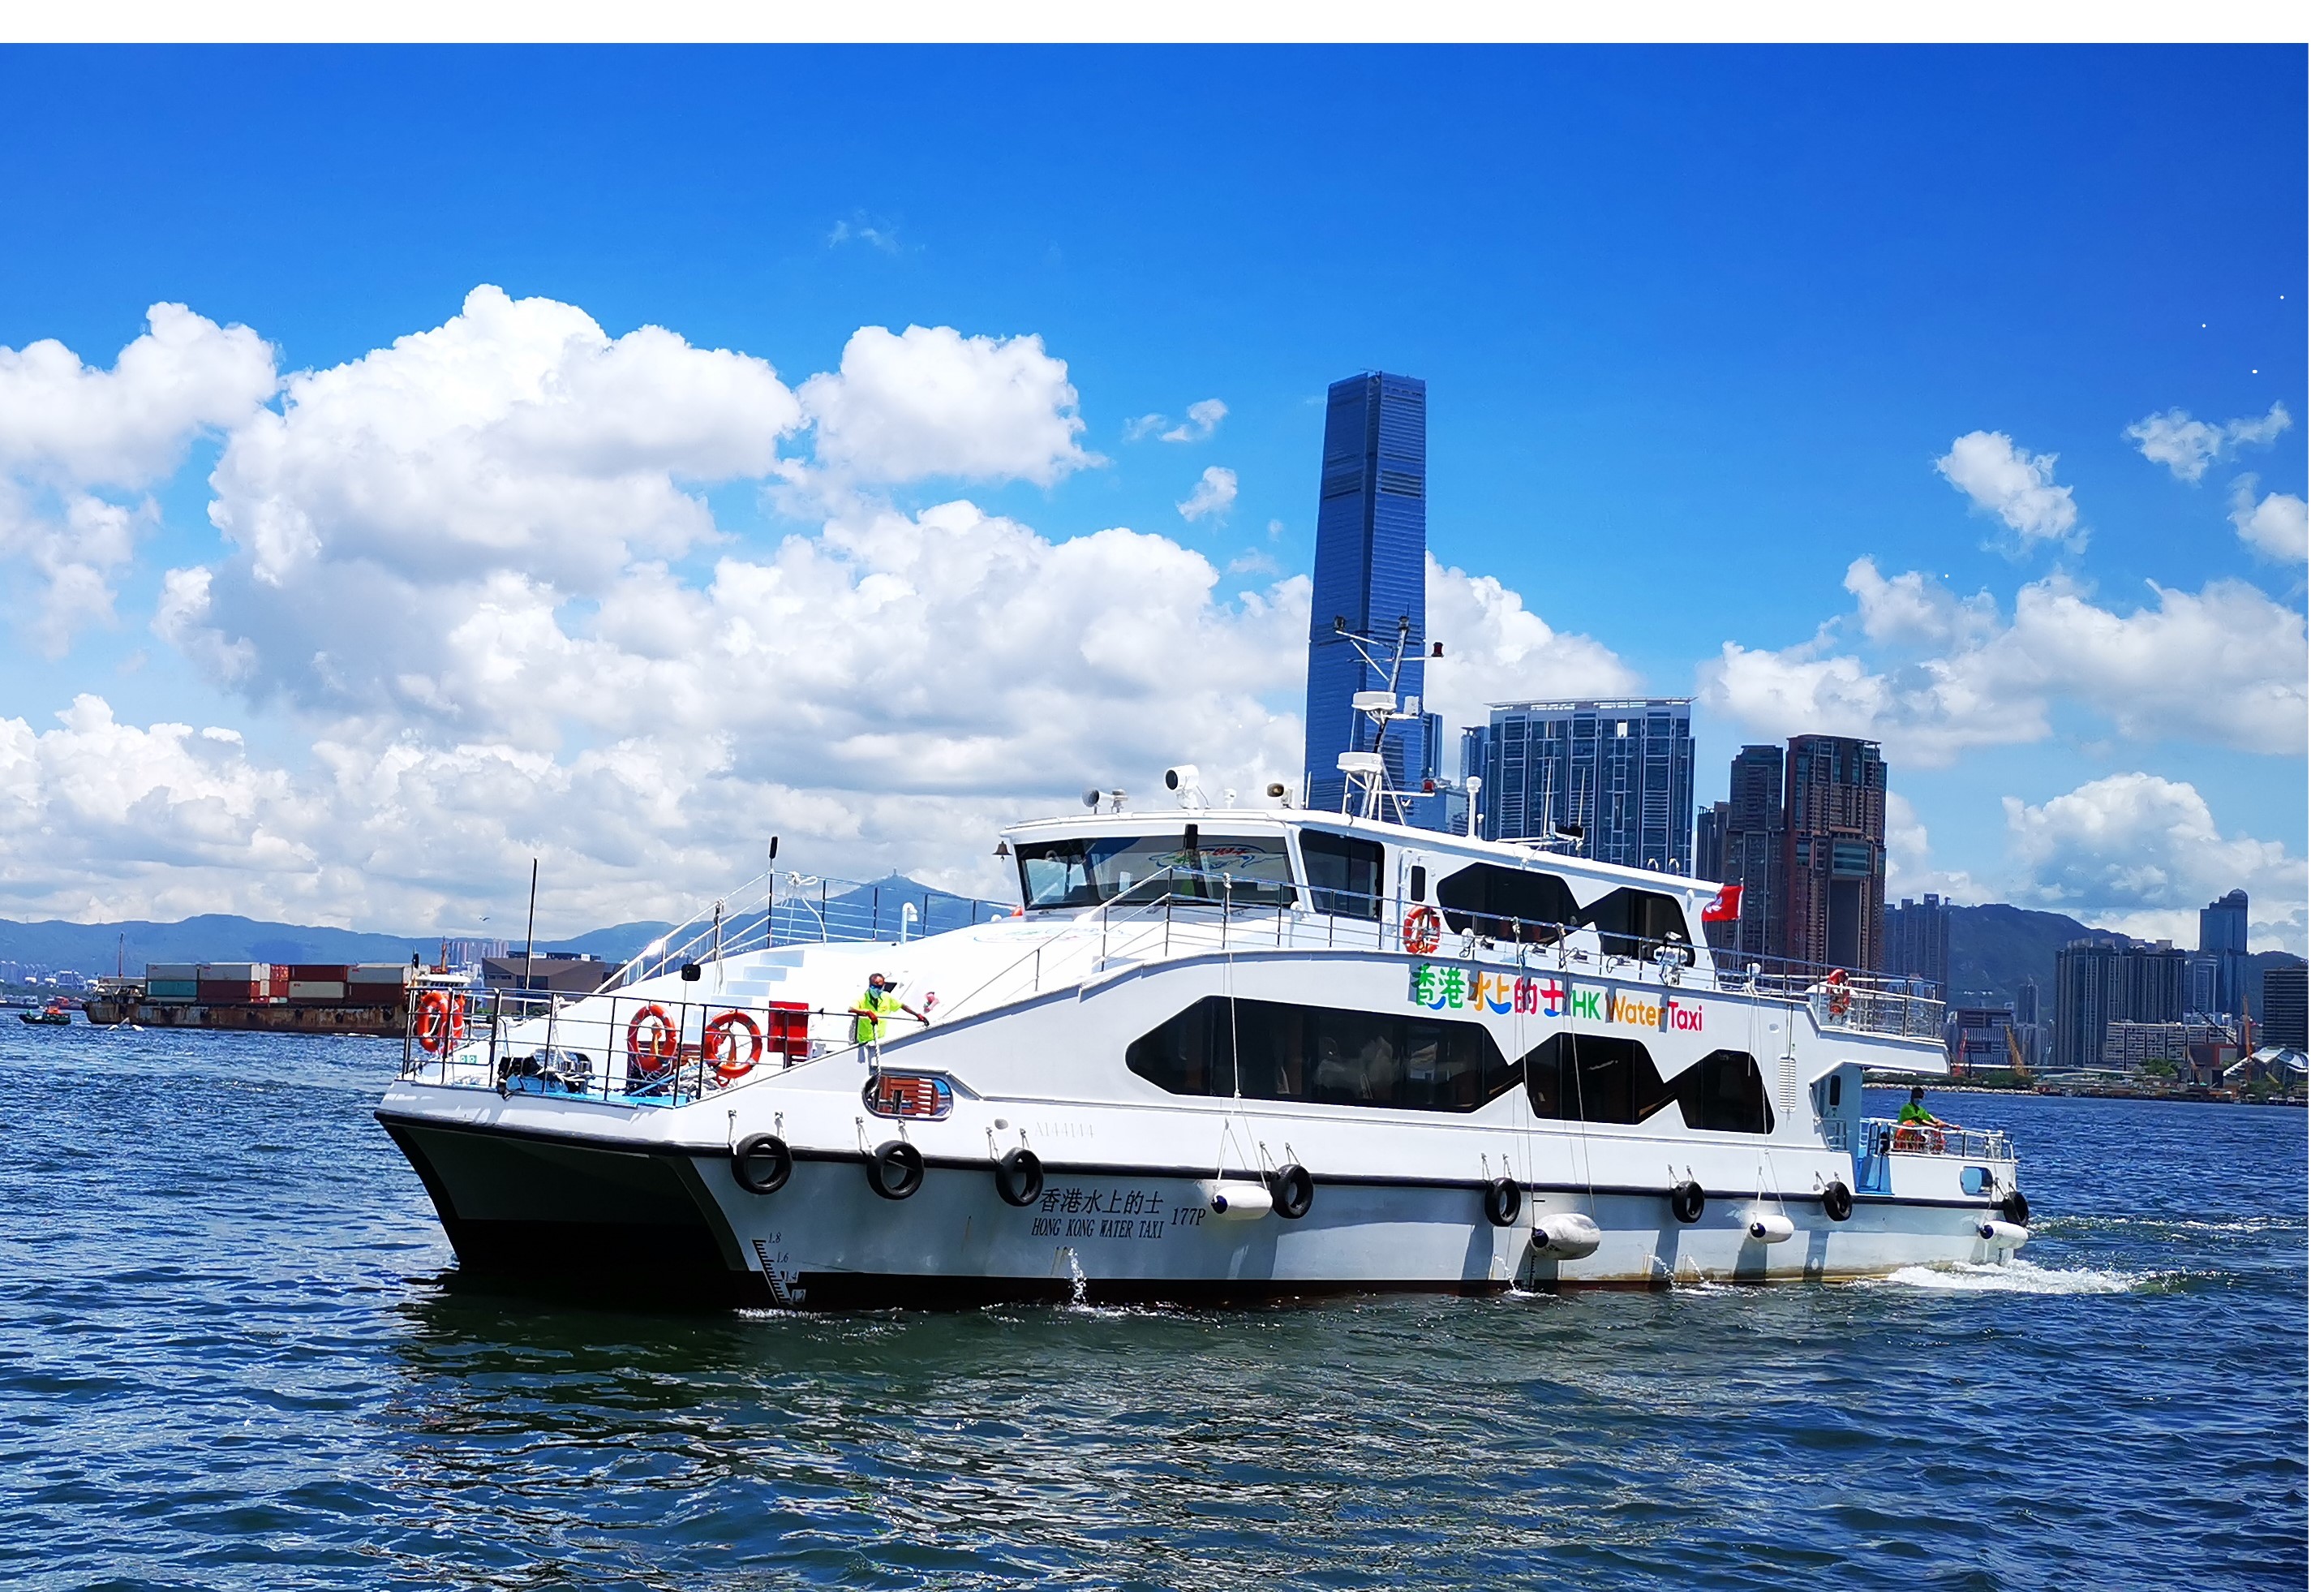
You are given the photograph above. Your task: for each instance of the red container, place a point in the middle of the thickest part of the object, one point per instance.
(209, 992)
(312, 973)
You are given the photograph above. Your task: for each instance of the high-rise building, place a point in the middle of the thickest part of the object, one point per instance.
(1710, 842)
(1835, 866)
(1618, 775)
(1979, 1037)
(1371, 552)
(1755, 851)
(1916, 942)
(2224, 935)
(2283, 997)
(2100, 982)
(2028, 1007)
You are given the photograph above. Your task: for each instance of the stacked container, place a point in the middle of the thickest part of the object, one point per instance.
(315, 984)
(376, 984)
(171, 981)
(233, 983)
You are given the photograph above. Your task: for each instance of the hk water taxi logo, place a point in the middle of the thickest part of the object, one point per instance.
(1628, 1011)
(1439, 987)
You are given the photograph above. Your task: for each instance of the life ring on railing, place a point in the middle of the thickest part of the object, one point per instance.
(724, 1053)
(436, 1021)
(655, 1052)
(1422, 930)
(1836, 993)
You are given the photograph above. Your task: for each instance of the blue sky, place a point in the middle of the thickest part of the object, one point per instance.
(1697, 325)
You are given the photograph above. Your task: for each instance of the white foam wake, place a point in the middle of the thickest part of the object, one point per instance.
(2013, 1277)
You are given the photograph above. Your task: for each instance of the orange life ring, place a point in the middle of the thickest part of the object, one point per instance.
(1836, 993)
(435, 1022)
(1422, 929)
(654, 1054)
(720, 1049)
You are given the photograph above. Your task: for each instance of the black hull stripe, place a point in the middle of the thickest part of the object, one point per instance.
(392, 1121)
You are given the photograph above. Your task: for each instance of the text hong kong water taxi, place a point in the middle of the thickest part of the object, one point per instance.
(1207, 1054)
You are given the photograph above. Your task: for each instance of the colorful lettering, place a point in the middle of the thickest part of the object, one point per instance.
(1683, 1016)
(1491, 992)
(1587, 1002)
(1630, 1012)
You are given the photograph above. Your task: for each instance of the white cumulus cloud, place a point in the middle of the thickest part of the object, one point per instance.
(2187, 447)
(2017, 487)
(1496, 650)
(2275, 527)
(1214, 494)
(2139, 853)
(930, 402)
(1201, 421)
(2225, 665)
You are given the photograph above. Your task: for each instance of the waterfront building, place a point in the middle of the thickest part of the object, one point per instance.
(2028, 1009)
(1836, 859)
(1710, 842)
(1754, 854)
(1916, 942)
(2224, 937)
(2203, 1046)
(2284, 999)
(2104, 982)
(1616, 777)
(1372, 554)
(1979, 1037)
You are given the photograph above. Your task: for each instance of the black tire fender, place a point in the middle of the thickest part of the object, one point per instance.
(895, 1170)
(1503, 1200)
(1686, 1202)
(1293, 1190)
(2014, 1208)
(1839, 1201)
(1018, 1176)
(762, 1163)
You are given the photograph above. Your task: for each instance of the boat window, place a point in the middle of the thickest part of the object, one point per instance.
(1344, 872)
(1595, 1077)
(1638, 919)
(1507, 903)
(1079, 872)
(1323, 1056)
(1419, 882)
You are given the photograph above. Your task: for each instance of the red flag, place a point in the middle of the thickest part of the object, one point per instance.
(1728, 908)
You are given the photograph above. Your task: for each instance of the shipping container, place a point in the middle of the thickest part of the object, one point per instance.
(331, 991)
(234, 972)
(378, 973)
(278, 975)
(314, 972)
(188, 971)
(215, 991)
(169, 989)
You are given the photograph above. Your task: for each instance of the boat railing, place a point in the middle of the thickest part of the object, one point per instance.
(1905, 1138)
(631, 1049)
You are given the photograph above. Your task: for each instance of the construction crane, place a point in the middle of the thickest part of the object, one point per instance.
(2016, 1059)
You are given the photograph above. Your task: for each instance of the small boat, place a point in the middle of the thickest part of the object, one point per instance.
(55, 1011)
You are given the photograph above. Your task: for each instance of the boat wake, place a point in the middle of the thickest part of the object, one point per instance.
(2020, 1277)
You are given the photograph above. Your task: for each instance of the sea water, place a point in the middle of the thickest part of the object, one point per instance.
(235, 1351)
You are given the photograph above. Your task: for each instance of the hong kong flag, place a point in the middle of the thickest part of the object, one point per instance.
(1728, 908)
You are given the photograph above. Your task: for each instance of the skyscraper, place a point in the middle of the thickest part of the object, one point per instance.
(2100, 982)
(1710, 842)
(1835, 809)
(1620, 774)
(2284, 1002)
(2224, 934)
(1916, 942)
(1371, 543)
(1754, 851)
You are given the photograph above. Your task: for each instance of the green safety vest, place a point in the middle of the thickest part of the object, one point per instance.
(869, 1027)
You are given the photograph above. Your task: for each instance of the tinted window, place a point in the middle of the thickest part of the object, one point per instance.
(1593, 1077)
(1083, 873)
(1639, 918)
(1343, 874)
(1322, 1055)
(1507, 903)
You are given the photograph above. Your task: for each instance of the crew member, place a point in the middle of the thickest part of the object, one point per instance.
(872, 1012)
(1915, 1114)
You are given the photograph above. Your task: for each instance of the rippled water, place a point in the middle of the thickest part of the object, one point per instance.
(232, 1353)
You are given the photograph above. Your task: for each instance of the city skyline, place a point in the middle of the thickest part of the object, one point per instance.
(618, 489)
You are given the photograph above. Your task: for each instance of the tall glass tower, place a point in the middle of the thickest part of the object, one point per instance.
(1372, 554)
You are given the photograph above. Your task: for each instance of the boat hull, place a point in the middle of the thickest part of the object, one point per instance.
(662, 1225)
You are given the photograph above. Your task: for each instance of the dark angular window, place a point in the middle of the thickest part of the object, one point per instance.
(1638, 919)
(1507, 903)
(1595, 1077)
(1343, 874)
(1323, 1056)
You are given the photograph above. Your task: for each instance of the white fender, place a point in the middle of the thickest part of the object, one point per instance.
(2007, 1234)
(1234, 1201)
(1565, 1234)
(1769, 1226)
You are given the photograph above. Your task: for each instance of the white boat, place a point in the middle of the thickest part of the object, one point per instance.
(1210, 1054)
